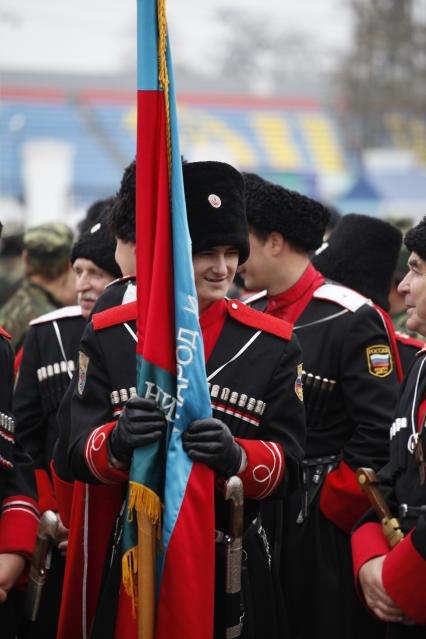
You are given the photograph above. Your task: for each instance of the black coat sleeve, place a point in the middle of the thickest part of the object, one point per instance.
(90, 404)
(31, 422)
(370, 400)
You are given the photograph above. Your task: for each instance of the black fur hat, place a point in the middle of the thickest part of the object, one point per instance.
(214, 194)
(93, 213)
(122, 215)
(415, 239)
(362, 253)
(270, 207)
(98, 245)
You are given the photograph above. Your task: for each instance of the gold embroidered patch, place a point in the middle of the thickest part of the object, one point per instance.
(379, 358)
(298, 386)
(83, 363)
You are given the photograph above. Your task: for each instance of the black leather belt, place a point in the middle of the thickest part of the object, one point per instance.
(314, 471)
(221, 537)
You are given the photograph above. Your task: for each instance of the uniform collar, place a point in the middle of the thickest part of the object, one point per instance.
(308, 282)
(213, 313)
(52, 299)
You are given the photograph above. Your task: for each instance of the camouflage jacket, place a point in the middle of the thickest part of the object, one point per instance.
(27, 303)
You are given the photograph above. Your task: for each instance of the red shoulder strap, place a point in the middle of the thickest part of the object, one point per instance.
(409, 340)
(392, 338)
(5, 333)
(114, 315)
(249, 316)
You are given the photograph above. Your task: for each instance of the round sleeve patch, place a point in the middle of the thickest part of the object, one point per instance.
(298, 385)
(379, 359)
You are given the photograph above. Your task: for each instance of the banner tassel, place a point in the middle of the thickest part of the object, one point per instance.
(143, 501)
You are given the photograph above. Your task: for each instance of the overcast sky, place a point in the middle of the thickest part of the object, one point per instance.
(97, 36)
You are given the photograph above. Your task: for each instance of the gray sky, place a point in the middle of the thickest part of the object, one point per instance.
(97, 36)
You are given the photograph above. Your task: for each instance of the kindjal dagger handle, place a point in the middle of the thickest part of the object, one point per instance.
(369, 484)
(234, 494)
(46, 535)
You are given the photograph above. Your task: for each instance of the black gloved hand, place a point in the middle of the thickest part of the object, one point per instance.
(210, 442)
(140, 423)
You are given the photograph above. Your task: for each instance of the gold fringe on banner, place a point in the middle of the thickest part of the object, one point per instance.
(147, 505)
(163, 75)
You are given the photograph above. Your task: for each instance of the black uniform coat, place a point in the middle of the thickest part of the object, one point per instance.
(404, 569)
(47, 365)
(343, 339)
(48, 361)
(19, 514)
(266, 371)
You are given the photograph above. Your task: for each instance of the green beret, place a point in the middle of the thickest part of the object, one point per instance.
(48, 243)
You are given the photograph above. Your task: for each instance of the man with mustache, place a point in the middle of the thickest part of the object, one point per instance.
(47, 366)
(393, 580)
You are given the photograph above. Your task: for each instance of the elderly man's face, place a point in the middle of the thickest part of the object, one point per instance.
(90, 282)
(413, 287)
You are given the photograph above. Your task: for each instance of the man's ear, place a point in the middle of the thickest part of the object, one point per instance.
(276, 242)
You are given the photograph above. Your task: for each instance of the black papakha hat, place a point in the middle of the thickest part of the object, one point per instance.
(97, 245)
(362, 253)
(415, 239)
(214, 194)
(270, 207)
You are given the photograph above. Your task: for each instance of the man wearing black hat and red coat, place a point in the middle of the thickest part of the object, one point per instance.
(350, 390)
(362, 254)
(49, 359)
(19, 514)
(267, 430)
(392, 582)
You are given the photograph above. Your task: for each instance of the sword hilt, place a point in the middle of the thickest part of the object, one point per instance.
(368, 482)
(46, 535)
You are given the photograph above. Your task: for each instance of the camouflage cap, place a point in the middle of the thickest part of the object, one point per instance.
(48, 243)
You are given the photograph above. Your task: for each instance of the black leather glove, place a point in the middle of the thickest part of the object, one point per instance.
(210, 442)
(140, 423)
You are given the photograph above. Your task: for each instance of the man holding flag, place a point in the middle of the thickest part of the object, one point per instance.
(147, 441)
(257, 429)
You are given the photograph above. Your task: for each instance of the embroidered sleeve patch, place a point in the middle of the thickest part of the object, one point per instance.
(379, 360)
(298, 386)
(83, 363)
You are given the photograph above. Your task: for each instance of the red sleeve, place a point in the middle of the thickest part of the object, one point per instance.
(367, 542)
(18, 359)
(64, 492)
(265, 467)
(46, 496)
(404, 579)
(18, 525)
(341, 499)
(96, 456)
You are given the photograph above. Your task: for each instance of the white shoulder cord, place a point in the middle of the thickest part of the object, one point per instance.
(240, 352)
(412, 440)
(131, 331)
(61, 346)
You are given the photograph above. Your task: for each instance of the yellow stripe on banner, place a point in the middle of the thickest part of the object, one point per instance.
(274, 133)
(323, 146)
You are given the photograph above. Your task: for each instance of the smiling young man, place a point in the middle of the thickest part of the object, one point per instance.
(253, 365)
(48, 362)
(393, 581)
(350, 392)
